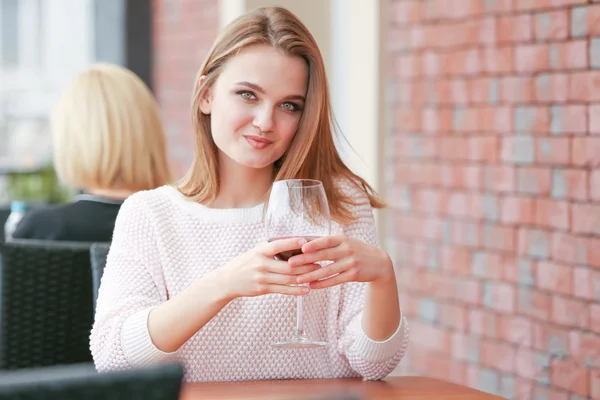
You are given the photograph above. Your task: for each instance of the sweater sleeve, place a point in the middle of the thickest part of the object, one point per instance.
(371, 359)
(131, 287)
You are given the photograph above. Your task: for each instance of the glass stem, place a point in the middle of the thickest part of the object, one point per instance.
(299, 316)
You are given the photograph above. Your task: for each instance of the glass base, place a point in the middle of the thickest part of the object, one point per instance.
(300, 342)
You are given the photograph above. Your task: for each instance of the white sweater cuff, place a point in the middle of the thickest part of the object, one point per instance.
(372, 350)
(137, 344)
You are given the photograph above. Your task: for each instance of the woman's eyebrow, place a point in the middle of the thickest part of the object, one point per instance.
(260, 90)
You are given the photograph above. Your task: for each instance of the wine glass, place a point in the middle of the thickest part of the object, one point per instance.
(297, 208)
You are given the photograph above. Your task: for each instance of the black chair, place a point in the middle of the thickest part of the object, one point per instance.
(76, 382)
(98, 253)
(4, 213)
(45, 310)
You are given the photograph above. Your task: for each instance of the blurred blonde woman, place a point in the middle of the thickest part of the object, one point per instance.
(108, 142)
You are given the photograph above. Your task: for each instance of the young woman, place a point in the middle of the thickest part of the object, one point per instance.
(190, 275)
(108, 142)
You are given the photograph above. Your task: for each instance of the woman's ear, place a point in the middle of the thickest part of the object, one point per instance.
(205, 97)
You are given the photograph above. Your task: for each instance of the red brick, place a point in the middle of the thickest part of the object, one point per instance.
(430, 337)
(515, 329)
(453, 316)
(552, 213)
(513, 29)
(554, 151)
(499, 6)
(595, 384)
(586, 283)
(552, 25)
(526, 364)
(478, 90)
(483, 323)
(574, 180)
(586, 218)
(534, 304)
(497, 355)
(585, 347)
(534, 180)
(464, 205)
(586, 151)
(463, 62)
(532, 58)
(595, 185)
(499, 59)
(433, 284)
(524, 388)
(594, 119)
(593, 20)
(454, 148)
(497, 237)
(517, 210)
(574, 119)
(595, 317)
(570, 375)
(499, 178)
(483, 148)
(461, 177)
(554, 277)
(584, 86)
(517, 89)
(456, 260)
(460, 346)
(549, 338)
(510, 265)
(431, 64)
(407, 119)
(572, 313)
(467, 291)
(542, 391)
(500, 296)
(407, 65)
(427, 201)
(552, 88)
(436, 121)
(466, 234)
(569, 55)
(406, 12)
(575, 250)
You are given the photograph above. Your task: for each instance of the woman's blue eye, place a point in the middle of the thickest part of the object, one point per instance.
(290, 106)
(247, 95)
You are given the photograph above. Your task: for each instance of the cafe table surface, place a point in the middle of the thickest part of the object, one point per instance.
(397, 387)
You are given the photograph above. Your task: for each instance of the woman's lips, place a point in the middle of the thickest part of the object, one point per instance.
(258, 142)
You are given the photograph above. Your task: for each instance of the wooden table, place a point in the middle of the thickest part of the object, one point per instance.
(399, 387)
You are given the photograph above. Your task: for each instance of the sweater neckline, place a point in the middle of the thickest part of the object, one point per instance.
(216, 215)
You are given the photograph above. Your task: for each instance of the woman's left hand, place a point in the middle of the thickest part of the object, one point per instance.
(353, 261)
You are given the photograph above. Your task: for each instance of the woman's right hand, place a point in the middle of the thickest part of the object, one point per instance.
(257, 272)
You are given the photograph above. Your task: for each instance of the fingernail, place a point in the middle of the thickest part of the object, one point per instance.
(302, 242)
(305, 290)
(300, 280)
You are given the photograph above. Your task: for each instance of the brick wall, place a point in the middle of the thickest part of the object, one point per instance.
(183, 33)
(496, 194)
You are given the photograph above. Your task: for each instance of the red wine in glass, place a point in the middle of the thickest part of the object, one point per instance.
(286, 255)
(297, 208)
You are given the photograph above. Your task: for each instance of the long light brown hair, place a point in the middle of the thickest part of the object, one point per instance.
(312, 153)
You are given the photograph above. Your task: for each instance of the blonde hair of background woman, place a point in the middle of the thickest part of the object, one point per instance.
(312, 153)
(107, 132)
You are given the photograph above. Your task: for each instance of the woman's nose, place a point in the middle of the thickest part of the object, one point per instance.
(263, 119)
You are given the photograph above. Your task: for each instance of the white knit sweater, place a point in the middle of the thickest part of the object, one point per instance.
(162, 243)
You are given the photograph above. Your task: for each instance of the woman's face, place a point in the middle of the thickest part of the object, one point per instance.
(255, 105)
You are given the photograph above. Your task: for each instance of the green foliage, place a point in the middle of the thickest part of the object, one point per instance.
(38, 186)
